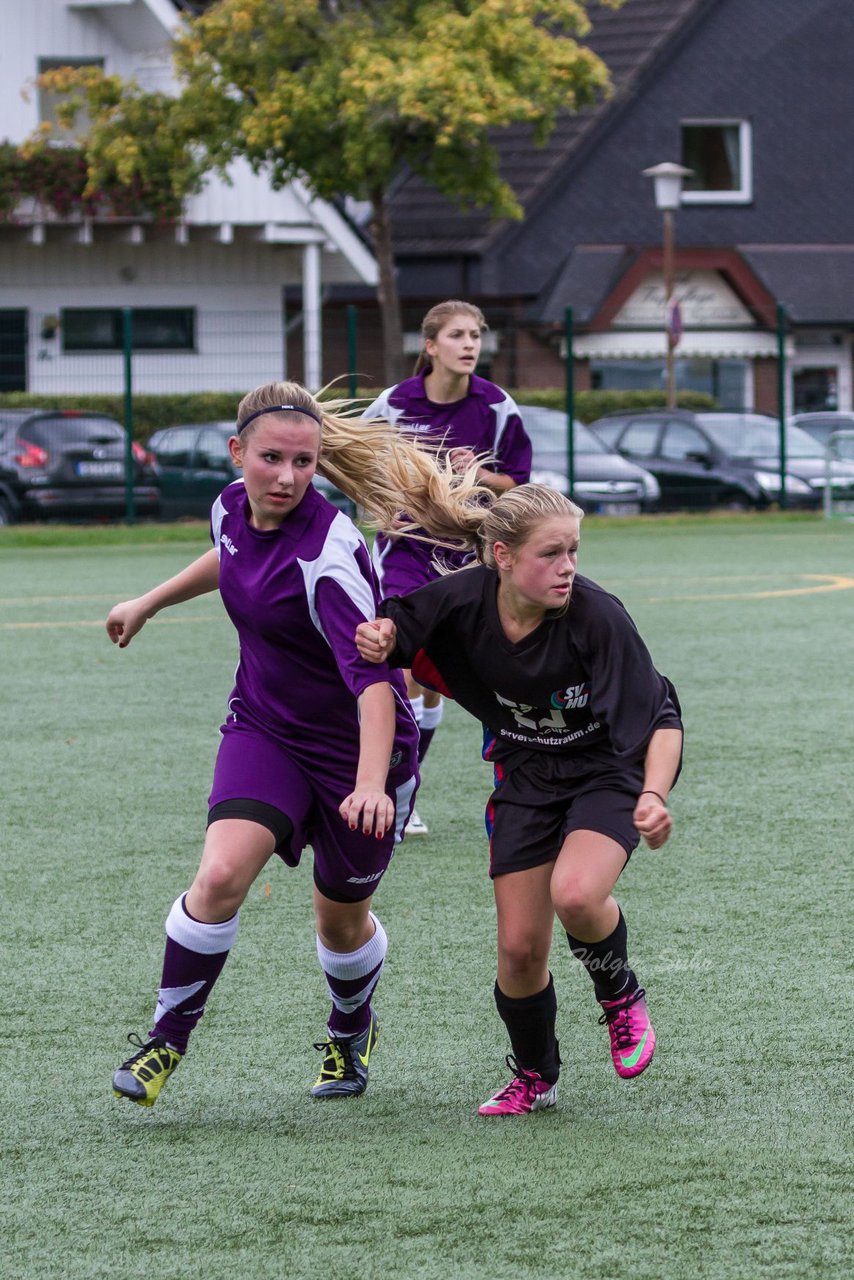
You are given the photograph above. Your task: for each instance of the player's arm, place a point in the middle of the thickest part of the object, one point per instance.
(627, 693)
(661, 765)
(367, 802)
(495, 481)
(462, 458)
(513, 456)
(340, 599)
(126, 619)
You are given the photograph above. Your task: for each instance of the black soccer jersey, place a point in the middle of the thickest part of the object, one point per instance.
(582, 684)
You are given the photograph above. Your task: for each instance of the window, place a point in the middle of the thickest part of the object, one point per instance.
(728, 381)
(69, 429)
(174, 447)
(720, 154)
(154, 329)
(609, 431)
(684, 443)
(212, 450)
(640, 437)
(816, 389)
(49, 99)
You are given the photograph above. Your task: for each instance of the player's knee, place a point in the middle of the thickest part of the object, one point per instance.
(217, 889)
(576, 903)
(522, 954)
(342, 936)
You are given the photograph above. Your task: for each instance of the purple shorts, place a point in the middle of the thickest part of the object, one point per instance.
(349, 865)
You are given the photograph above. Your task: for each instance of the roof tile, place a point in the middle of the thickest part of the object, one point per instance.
(627, 39)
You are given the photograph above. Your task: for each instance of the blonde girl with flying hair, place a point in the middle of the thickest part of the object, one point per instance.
(475, 424)
(318, 746)
(585, 739)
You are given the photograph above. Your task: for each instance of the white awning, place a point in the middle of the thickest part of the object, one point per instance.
(718, 344)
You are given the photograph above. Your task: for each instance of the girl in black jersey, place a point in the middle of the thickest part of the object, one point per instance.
(585, 738)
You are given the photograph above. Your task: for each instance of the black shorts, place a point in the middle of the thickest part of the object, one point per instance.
(538, 801)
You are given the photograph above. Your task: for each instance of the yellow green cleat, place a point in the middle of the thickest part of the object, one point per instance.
(141, 1078)
(344, 1072)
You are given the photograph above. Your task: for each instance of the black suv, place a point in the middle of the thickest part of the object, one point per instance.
(722, 459)
(69, 463)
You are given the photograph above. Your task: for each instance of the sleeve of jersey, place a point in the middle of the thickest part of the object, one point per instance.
(514, 451)
(416, 617)
(381, 407)
(627, 692)
(339, 617)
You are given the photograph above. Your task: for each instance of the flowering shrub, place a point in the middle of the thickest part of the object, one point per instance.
(57, 179)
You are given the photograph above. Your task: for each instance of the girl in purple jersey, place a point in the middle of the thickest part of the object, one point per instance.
(469, 418)
(585, 737)
(319, 746)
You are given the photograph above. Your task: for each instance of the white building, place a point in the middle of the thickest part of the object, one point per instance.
(206, 294)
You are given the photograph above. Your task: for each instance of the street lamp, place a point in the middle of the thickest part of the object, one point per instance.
(668, 178)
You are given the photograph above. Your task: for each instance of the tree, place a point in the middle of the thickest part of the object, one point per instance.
(347, 93)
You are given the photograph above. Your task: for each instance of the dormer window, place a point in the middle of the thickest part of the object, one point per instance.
(720, 154)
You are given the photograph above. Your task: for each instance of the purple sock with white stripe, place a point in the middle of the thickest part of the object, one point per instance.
(195, 955)
(351, 977)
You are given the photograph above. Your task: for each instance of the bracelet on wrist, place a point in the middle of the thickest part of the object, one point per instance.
(647, 792)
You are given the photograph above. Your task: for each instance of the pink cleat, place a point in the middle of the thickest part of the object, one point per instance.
(632, 1036)
(526, 1092)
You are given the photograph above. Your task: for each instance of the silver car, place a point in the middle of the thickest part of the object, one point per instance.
(605, 484)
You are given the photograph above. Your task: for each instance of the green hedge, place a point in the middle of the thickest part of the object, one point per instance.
(590, 405)
(153, 412)
(149, 412)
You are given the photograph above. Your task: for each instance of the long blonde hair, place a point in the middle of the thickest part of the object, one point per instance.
(509, 517)
(382, 470)
(386, 473)
(438, 316)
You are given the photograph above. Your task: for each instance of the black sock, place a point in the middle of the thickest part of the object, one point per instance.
(530, 1022)
(607, 962)
(425, 737)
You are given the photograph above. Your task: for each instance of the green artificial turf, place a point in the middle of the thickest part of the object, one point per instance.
(728, 1158)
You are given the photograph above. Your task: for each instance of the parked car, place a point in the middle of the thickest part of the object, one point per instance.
(194, 466)
(821, 426)
(605, 483)
(69, 463)
(721, 459)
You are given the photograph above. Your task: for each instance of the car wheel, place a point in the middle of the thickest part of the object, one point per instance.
(6, 514)
(737, 501)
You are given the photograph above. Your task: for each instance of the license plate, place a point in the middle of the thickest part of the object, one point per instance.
(618, 508)
(101, 470)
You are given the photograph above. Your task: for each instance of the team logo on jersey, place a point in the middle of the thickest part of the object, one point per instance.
(228, 544)
(575, 695)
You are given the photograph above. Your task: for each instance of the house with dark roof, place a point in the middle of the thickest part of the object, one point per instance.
(756, 98)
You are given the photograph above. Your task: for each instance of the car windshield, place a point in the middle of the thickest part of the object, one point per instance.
(547, 430)
(746, 435)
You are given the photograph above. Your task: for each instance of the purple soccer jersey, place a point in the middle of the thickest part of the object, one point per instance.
(486, 421)
(296, 595)
(291, 739)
